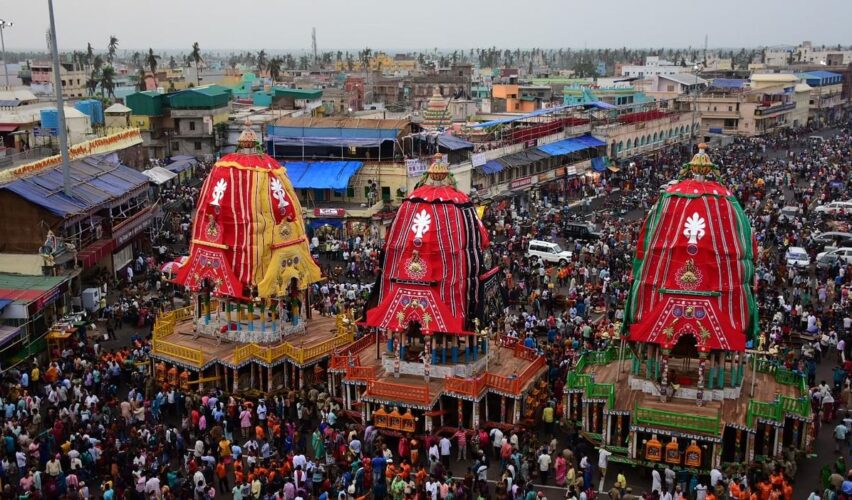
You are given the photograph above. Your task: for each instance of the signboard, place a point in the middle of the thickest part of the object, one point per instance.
(546, 176)
(521, 183)
(329, 212)
(113, 142)
(45, 132)
(416, 167)
(130, 228)
(531, 143)
(478, 159)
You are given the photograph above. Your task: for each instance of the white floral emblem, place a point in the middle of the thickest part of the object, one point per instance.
(219, 192)
(279, 194)
(693, 228)
(421, 223)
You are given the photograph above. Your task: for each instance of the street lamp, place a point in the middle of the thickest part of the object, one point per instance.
(3, 25)
(60, 105)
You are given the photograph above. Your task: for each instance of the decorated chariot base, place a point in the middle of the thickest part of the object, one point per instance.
(681, 385)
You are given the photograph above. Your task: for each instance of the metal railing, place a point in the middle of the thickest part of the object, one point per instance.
(695, 423)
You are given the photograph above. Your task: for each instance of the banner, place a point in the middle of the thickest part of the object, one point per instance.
(478, 159)
(113, 142)
(416, 167)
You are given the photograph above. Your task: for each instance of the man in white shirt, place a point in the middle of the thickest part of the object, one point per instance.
(444, 444)
(544, 461)
(715, 477)
(603, 462)
(496, 440)
(656, 481)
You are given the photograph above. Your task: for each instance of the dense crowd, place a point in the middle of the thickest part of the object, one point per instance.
(94, 423)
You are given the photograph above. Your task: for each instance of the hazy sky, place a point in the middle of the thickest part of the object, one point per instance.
(400, 24)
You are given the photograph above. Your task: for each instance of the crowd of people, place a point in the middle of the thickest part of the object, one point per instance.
(95, 423)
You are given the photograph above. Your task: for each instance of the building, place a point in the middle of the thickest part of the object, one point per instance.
(807, 53)
(643, 130)
(303, 101)
(354, 90)
(73, 78)
(654, 66)
(117, 116)
(665, 87)
(187, 122)
(617, 95)
(762, 104)
(826, 94)
(96, 227)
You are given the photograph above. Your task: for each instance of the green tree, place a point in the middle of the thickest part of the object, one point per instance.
(275, 69)
(172, 63)
(111, 48)
(135, 58)
(108, 81)
(92, 82)
(261, 60)
(151, 61)
(195, 56)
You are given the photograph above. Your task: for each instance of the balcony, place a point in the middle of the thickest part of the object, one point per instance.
(767, 111)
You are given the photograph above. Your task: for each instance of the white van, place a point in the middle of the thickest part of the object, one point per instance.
(835, 207)
(797, 257)
(548, 252)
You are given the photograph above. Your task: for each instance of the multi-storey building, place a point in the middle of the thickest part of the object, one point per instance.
(73, 79)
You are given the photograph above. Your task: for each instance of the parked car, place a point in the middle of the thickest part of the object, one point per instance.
(835, 208)
(844, 253)
(797, 257)
(548, 252)
(832, 239)
(828, 261)
(581, 231)
(789, 214)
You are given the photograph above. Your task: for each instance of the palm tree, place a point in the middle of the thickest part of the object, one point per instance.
(275, 69)
(151, 60)
(111, 48)
(303, 62)
(141, 76)
(135, 59)
(92, 82)
(90, 53)
(195, 55)
(107, 81)
(98, 63)
(261, 60)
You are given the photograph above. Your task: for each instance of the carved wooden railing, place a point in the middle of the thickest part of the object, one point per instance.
(465, 386)
(398, 392)
(188, 354)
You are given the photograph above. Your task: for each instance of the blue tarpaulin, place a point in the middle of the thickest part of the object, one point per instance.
(95, 181)
(321, 174)
(492, 167)
(181, 163)
(4, 303)
(728, 83)
(568, 146)
(599, 163)
(542, 112)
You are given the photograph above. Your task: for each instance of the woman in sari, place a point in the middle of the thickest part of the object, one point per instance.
(561, 468)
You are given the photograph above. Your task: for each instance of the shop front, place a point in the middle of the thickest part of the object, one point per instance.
(32, 304)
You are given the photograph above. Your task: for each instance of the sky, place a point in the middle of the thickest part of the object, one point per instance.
(285, 25)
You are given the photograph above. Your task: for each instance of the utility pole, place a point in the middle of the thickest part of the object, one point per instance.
(3, 25)
(314, 44)
(60, 105)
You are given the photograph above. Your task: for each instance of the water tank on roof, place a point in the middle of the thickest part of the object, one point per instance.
(161, 90)
(49, 118)
(93, 108)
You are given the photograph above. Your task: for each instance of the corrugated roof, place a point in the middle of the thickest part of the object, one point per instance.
(298, 93)
(96, 180)
(567, 146)
(821, 74)
(773, 77)
(334, 122)
(728, 83)
(117, 108)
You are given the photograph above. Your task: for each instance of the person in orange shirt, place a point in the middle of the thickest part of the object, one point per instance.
(238, 472)
(222, 477)
(260, 433)
(711, 495)
(405, 471)
(764, 488)
(787, 488)
(390, 471)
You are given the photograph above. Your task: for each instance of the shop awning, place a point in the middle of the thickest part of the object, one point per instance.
(600, 163)
(181, 163)
(4, 303)
(321, 174)
(415, 303)
(7, 333)
(491, 167)
(524, 157)
(568, 146)
(315, 223)
(91, 254)
(331, 142)
(159, 175)
(8, 127)
(453, 143)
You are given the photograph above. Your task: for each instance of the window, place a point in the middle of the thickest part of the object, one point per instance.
(192, 125)
(198, 145)
(518, 106)
(175, 146)
(386, 194)
(730, 108)
(670, 88)
(350, 192)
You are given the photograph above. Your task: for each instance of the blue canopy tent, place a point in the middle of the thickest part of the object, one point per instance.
(543, 112)
(491, 167)
(568, 146)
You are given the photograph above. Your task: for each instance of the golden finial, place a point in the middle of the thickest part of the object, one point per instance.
(700, 165)
(438, 170)
(248, 139)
